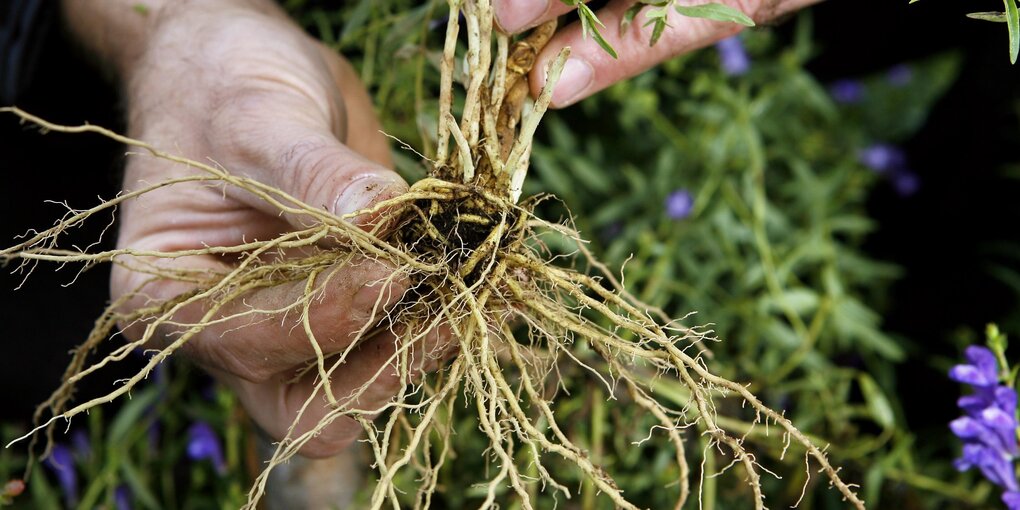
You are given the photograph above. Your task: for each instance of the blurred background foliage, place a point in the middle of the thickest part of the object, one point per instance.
(743, 191)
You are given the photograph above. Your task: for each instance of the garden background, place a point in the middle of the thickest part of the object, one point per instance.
(897, 277)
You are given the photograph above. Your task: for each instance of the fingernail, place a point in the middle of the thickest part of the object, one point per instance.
(365, 191)
(516, 15)
(575, 79)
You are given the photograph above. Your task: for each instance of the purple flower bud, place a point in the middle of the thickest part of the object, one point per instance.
(122, 498)
(995, 467)
(1005, 399)
(1011, 499)
(981, 369)
(966, 427)
(882, 157)
(61, 462)
(679, 204)
(906, 183)
(81, 446)
(732, 56)
(998, 419)
(969, 374)
(999, 470)
(973, 404)
(204, 445)
(900, 75)
(847, 91)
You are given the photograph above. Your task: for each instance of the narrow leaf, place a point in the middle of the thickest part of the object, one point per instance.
(717, 12)
(998, 17)
(660, 26)
(590, 26)
(878, 405)
(628, 17)
(1013, 21)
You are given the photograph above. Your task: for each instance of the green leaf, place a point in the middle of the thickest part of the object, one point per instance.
(660, 27)
(717, 12)
(878, 404)
(130, 414)
(359, 16)
(629, 15)
(1013, 20)
(998, 17)
(590, 26)
(801, 301)
(139, 488)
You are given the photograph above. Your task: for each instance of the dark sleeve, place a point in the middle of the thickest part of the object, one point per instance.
(23, 27)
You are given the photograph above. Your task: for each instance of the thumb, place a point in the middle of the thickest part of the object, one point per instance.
(317, 169)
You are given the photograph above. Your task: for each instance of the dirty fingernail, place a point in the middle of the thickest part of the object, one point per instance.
(516, 15)
(577, 76)
(365, 191)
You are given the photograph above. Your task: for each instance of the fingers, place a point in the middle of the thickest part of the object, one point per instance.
(265, 332)
(323, 173)
(367, 381)
(513, 16)
(300, 154)
(590, 69)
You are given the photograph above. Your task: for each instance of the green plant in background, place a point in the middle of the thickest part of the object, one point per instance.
(178, 443)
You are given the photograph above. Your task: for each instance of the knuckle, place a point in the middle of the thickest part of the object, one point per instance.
(315, 171)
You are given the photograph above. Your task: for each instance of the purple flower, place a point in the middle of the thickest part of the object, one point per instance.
(906, 182)
(122, 498)
(847, 91)
(899, 75)
(990, 435)
(679, 204)
(890, 160)
(204, 445)
(989, 428)
(882, 157)
(1011, 499)
(80, 445)
(61, 462)
(996, 467)
(732, 56)
(981, 368)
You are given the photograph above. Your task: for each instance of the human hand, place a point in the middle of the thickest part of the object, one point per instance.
(590, 69)
(236, 82)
